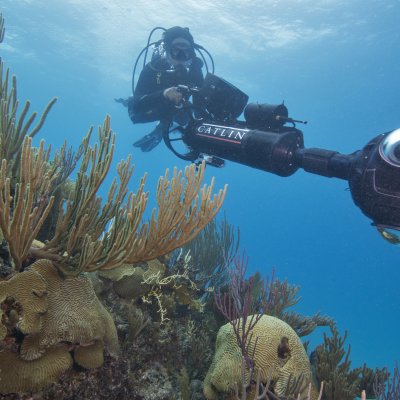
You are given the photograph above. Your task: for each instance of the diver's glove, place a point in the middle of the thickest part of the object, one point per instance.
(174, 95)
(148, 142)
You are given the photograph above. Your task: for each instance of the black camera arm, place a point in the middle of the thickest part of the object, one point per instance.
(263, 141)
(373, 172)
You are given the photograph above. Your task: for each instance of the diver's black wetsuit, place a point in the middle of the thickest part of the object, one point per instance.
(148, 102)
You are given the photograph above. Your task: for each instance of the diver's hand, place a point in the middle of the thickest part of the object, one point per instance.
(173, 94)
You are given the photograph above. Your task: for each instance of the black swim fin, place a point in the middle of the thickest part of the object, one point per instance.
(148, 142)
(122, 101)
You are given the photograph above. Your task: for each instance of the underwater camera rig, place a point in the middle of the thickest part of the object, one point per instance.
(268, 140)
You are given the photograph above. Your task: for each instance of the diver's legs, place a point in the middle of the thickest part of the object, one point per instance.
(151, 140)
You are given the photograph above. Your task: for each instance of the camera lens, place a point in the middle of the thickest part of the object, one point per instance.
(389, 148)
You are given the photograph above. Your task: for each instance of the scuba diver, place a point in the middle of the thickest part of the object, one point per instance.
(157, 96)
(267, 138)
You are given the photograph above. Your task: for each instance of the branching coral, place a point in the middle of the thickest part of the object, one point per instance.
(370, 379)
(22, 214)
(80, 242)
(211, 252)
(275, 297)
(332, 366)
(305, 325)
(14, 129)
(240, 307)
(387, 386)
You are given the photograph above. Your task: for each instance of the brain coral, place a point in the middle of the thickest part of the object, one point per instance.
(24, 294)
(74, 312)
(225, 370)
(53, 313)
(17, 375)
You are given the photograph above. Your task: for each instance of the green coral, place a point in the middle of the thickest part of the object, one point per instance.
(210, 253)
(332, 366)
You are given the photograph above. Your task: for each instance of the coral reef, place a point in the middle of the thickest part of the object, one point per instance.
(151, 334)
(49, 310)
(225, 371)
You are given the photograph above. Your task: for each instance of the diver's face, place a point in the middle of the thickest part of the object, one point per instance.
(181, 51)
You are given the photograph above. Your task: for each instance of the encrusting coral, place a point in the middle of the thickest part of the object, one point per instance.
(224, 374)
(48, 308)
(128, 282)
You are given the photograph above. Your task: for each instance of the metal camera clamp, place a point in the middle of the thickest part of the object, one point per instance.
(268, 140)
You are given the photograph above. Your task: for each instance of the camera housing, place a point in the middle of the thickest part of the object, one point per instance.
(221, 100)
(264, 141)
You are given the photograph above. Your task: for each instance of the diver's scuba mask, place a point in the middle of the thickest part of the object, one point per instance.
(181, 53)
(178, 57)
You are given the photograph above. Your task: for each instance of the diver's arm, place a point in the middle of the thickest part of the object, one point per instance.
(148, 102)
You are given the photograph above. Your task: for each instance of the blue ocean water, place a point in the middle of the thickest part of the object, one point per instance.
(335, 63)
